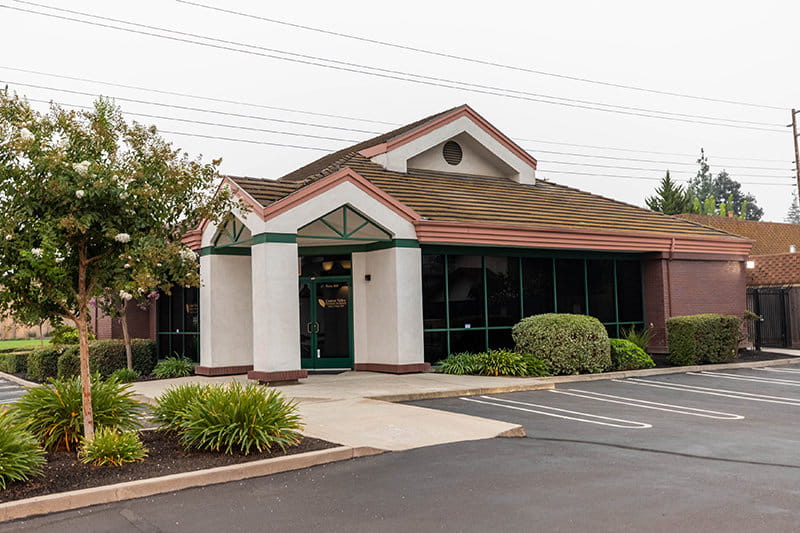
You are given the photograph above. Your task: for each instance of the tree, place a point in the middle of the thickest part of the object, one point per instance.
(793, 216)
(81, 192)
(723, 189)
(670, 198)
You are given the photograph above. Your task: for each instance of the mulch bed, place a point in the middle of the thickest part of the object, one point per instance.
(745, 356)
(63, 471)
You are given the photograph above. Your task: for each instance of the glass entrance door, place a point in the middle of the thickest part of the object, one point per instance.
(326, 322)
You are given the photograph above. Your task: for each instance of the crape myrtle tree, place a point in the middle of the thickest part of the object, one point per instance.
(82, 195)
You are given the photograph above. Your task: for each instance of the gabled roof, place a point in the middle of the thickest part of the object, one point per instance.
(767, 237)
(774, 270)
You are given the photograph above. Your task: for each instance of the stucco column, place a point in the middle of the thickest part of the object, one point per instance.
(226, 315)
(388, 310)
(276, 313)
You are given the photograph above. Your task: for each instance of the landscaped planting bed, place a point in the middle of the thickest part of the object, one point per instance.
(63, 471)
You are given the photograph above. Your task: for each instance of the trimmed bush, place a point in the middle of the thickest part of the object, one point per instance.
(112, 447)
(125, 375)
(21, 458)
(170, 409)
(53, 412)
(14, 362)
(173, 367)
(232, 418)
(43, 363)
(107, 356)
(625, 355)
(699, 339)
(570, 344)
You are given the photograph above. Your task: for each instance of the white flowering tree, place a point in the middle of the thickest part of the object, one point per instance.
(82, 195)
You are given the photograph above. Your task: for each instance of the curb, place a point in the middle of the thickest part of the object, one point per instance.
(538, 385)
(19, 381)
(75, 499)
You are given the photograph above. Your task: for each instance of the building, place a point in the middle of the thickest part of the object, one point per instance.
(773, 277)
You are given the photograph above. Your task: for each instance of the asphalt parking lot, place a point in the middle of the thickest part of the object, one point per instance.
(9, 391)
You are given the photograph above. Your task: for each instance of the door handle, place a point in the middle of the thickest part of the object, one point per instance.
(312, 327)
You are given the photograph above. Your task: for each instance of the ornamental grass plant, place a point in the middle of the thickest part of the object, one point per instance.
(21, 458)
(173, 367)
(52, 412)
(111, 446)
(170, 409)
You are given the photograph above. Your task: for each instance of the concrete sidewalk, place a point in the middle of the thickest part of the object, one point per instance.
(354, 408)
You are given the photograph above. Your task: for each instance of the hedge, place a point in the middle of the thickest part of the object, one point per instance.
(14, 362)
(626, 355)
(571, 344)
(43, 363)
(107, 356)
(699, 339)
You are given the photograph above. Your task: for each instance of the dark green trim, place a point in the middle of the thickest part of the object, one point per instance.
(224, 250)
(261, 238)
(437, 249)
(350, 248)
(345, 233)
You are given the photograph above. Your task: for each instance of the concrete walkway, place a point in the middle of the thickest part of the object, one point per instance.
(354, 408)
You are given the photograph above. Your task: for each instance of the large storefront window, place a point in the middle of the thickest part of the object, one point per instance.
(471, 301)
(178, 317)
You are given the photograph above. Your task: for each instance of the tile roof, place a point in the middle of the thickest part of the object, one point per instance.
(464, 198)
(768, 237)
(775, 270)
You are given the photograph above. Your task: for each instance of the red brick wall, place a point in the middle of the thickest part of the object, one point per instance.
(687, 287)
(141, 324)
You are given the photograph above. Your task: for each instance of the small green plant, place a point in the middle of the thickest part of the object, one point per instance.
(52, 412)
(501, 363)
(125, 375)
(639, 337)
(173, 367)
(112, 447)
(64, 334)
(170, 409)
(626, 355)
(535, 366)
(240, 418)
(20, 456)
(459, 364)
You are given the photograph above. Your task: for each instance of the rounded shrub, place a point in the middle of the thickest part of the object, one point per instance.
(625, 355)
(240, 418)
(570, 344)
(20, 455)
(43, 363)
(53, 411)
(112, 447)
(173, 367)
(106, 357)
(706, 338)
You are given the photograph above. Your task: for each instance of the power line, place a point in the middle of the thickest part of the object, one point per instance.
(245, 141)
(396, 75)
(187, 95)
(645, 169)
(484, 62)
(654, 179)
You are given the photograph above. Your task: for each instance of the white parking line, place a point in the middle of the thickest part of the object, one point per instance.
(740, 377)
(782, 370)
(711, 391)
(625, 424)
(645, 404)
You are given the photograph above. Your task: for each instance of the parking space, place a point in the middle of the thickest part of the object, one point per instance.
(735, 415)
(10, 391)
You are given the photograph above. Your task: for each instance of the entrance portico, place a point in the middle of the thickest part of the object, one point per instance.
(325, 278)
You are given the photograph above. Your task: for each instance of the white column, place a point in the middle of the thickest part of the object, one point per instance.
(388, 310)
(276, 312)
(226, 315)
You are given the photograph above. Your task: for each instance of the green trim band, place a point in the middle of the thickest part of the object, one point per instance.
(261, 238)
(223, 250)
(351, 248)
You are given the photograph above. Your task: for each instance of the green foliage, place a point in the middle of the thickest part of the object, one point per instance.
(14, 362)
(64, 334)
(106, 357)
(793, 215)
(20, 457)
(52, 412)
(721, 189)
(571, 344)
(43, 363)
(626, 355)
(170, 409)
(112, 447)
(494, 363)
(699, 339)
(125, 375)
(173, 367)
(231, 418)
(639, 337)
(670, 198)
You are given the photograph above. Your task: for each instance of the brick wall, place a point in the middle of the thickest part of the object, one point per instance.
(141, 324)
(687, 287)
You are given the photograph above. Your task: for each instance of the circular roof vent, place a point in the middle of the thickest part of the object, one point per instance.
(452, 152)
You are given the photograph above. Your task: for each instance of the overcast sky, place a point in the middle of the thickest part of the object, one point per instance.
(727, 50)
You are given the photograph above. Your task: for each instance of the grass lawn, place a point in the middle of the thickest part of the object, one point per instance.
(21, 343)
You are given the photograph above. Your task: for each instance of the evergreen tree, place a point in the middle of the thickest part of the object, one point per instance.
(723, 189)
(793, 216)
(670, 198)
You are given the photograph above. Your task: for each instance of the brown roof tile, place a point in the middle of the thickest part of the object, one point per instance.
(768, 237)
(774, 270)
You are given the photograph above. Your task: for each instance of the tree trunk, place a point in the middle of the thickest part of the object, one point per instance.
(83, 340)
(123, 317)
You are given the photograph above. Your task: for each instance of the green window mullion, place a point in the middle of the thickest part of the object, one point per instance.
(616, 298)
(447, 300)
(555, 287)
(485, 305)
(586, 286)
(521, 290)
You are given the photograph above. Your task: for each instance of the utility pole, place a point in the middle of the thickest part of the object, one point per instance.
(796, 150)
